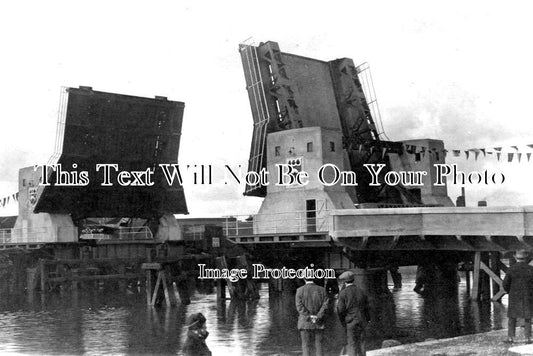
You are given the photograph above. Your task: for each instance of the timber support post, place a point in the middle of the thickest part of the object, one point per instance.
(490, 273)
(42, 274)
(161, 283)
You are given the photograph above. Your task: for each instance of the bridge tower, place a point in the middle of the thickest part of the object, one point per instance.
(98, 128)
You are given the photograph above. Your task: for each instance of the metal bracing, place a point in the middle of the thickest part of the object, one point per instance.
(367, 84)
(261, 116)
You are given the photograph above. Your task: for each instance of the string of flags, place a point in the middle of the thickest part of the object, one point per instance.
(10, 198)
(508, 154)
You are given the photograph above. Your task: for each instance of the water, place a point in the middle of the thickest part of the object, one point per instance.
(106, 322)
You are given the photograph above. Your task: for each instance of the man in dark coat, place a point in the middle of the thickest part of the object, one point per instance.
(354, 314)
(312, 303)
(518, 282)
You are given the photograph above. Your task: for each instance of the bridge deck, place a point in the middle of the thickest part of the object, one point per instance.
(456, 228)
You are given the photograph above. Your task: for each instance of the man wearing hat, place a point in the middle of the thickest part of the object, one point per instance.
(518, 282)
(354, 314)
(311, 302)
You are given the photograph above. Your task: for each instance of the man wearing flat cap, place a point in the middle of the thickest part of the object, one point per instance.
(354, 314)
(312, 303)
(518, 282)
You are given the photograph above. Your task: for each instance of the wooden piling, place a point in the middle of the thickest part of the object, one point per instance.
(475, 281)
(42, 274)
(467, 279)
(148, 286)
(485, 279)
(31, 279)
(495, 267)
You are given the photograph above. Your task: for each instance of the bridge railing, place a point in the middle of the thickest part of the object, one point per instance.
(5, 236)
(118, 233)
(39, 234)
(308, 221)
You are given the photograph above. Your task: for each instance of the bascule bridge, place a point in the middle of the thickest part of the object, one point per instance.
(307, 113)
(97, 128)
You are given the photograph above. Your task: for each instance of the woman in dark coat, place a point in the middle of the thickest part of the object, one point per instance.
(195, 344)
(518, 283)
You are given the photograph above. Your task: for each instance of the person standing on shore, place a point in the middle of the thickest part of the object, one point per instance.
(354, 314)
(312, 303)
(518, 282)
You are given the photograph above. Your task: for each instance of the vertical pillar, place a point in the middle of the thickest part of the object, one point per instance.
(42, 273)
(73, 276)
(475, 281)
(149, 287)
(31, 275)
(221, 289)
(495, 267)
(467, 278)
(485, 279)
(122, 281)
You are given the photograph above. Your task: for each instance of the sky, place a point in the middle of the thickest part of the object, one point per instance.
(451, 70)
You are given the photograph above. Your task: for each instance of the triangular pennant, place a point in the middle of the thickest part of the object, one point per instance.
(484, 152)
(360, 148)
(17, 196)
(510, 157)
(467, 154)
(498, 149)
(530, 146)
(383, 151)
(528, 156)
(476, 154)
(519, 155)
(498, 154)
(371, 149)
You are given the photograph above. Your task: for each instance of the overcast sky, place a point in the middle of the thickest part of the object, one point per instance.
(452, 70)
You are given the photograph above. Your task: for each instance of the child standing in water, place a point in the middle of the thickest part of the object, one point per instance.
(195, 343)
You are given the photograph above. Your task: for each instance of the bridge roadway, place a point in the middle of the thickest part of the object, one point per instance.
(452, 229)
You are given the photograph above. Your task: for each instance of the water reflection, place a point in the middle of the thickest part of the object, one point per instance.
(104, 322)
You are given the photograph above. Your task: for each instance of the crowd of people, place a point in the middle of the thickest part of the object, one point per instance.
(312, 303)
(352, 309)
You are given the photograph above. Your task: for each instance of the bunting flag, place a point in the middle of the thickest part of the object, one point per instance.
(10, 198)
(511, 152)
(476, 154)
